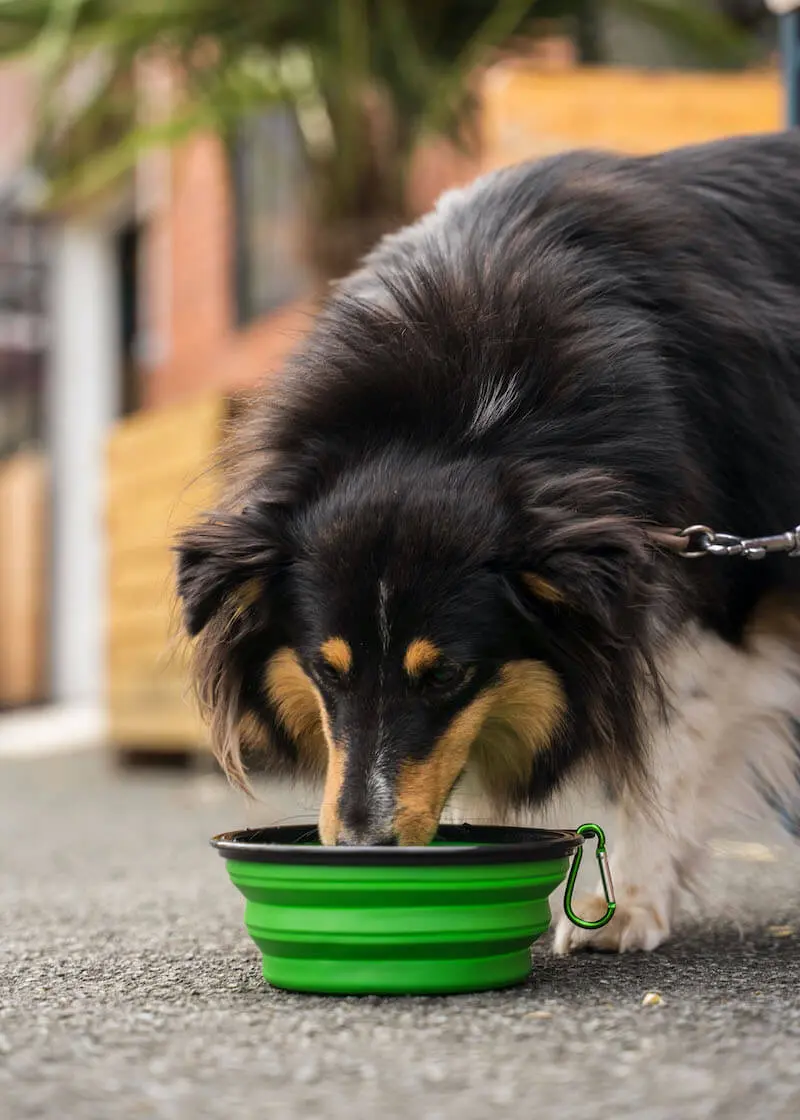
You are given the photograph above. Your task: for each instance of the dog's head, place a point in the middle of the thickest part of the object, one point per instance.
(424, 570)
(417, 618)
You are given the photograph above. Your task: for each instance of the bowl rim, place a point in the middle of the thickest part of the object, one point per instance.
(478, 844)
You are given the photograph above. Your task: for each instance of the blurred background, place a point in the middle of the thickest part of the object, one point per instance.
(179, 182)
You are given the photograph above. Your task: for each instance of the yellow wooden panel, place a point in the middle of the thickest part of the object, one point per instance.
(153, 574)
(154, 644)
(530, 113)
(155, 690)
(145, 520)
(24, 505)
(159, 432)
(146, 622)
(128, 663)
(150, 700)
(148, 570)
(132, 726)
(178, 485)
(158, 479)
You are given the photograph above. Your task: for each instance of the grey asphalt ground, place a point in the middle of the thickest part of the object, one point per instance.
(128, 988)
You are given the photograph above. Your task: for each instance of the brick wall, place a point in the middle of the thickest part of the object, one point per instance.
(16, 117)
(189, 234)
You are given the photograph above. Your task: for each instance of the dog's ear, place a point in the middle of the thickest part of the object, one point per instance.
(575, 551)
(597, 566)
(225, 557)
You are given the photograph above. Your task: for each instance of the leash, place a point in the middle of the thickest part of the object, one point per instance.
(697, 541)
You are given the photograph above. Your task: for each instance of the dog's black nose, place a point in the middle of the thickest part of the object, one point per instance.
(362, 821)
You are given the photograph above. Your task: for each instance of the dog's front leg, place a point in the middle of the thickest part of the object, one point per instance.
(646, 862)
(663, 832)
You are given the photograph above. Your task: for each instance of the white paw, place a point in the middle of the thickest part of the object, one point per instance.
(635, 926)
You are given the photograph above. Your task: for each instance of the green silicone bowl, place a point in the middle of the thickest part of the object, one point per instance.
(458, 915)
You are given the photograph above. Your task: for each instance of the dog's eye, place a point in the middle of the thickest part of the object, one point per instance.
(445, 676)
(328, 674)
(333, 662)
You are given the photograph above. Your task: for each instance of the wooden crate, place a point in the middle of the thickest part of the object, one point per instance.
(24, 585)
(160, 476)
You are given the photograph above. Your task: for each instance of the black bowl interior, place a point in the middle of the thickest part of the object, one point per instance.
(453, 844)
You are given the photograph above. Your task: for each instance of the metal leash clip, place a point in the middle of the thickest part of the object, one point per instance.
(591, 830)
(704, 541)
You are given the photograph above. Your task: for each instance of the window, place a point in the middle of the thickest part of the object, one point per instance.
(269, 185)
(126, 245)
(22, 332)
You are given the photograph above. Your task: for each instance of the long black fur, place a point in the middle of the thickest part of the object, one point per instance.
(641, 319)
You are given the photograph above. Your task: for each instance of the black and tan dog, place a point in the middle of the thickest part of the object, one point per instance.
(437, 559)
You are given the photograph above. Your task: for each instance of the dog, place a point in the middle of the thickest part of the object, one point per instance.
(443, 553)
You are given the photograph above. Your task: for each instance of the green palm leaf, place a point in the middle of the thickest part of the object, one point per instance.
(325, 59)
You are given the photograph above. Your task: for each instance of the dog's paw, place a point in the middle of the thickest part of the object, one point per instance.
(635, 926)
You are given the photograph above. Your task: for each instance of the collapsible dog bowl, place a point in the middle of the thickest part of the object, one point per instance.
(458, 915)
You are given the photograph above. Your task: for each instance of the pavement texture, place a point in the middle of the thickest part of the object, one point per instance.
(128, 987)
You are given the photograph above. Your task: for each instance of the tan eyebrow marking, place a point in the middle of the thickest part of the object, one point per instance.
(337, 652)
(421, 654)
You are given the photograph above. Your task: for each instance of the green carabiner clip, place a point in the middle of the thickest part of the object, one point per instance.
(605, 878)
